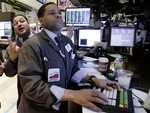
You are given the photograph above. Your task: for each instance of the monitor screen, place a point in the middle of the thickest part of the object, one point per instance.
(122, 36)
(89, 37)
(64, 32)
(5, 29)
(77, 16)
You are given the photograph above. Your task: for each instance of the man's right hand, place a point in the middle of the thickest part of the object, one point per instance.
(86, 98)
(14, 50)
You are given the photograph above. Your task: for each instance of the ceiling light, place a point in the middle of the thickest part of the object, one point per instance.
(123, 1)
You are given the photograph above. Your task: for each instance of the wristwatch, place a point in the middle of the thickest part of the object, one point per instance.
(91, 78)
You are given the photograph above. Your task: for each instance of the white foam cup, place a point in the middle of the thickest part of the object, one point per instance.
(103, 64)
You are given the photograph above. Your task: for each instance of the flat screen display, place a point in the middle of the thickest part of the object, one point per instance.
(5, 29)
(89, 37)
(77, 17)
(64, 32)
(122, 36)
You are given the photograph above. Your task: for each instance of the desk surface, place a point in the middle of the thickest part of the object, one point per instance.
(93, 71)
(4, 42)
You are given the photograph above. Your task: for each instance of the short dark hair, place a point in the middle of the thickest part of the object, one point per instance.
(22, 16)
(41, 11)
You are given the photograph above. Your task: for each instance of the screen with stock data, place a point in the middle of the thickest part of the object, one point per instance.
(89, 37)
(122, 36)
(77, 16)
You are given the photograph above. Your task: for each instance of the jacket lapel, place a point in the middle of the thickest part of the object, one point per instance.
(56, 48)
(50, 41)
(67, 58)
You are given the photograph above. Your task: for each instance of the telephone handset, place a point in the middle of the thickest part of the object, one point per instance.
(96, 52)
(146, 104)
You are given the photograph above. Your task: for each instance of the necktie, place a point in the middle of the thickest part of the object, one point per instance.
(25, 38)
(60, 45)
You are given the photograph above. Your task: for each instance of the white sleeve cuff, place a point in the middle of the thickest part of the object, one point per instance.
(79, 76)
(56, 106)
(58, 92)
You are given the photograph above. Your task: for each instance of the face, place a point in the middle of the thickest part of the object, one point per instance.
(52, 19)
(21, 26)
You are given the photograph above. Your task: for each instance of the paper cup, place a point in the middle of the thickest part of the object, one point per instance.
(103, 64)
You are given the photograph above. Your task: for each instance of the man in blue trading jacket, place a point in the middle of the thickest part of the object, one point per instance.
(45, 71)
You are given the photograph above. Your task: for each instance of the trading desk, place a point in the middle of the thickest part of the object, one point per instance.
(90, 64)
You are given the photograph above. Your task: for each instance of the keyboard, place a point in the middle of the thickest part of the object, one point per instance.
(119, 101)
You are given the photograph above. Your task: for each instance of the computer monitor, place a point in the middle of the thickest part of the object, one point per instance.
(77, 16)
(64, 32)
(122, 36)
(87, 38)
(5, 29)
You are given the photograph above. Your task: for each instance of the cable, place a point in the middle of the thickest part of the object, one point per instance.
(138, 106)
(142, 89)
(139, 88)
(138, 98)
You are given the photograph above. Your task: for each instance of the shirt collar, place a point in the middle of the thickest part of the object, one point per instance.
(30, 35)
(50, 34)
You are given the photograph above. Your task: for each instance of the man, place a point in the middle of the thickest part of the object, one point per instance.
(23, 32)
(46, 71)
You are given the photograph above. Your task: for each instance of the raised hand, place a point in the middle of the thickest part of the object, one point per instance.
(70, 31)
(14, 50)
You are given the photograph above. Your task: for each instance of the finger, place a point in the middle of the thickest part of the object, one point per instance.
(13, 45)
(116, 85)
(108, 87)
(93, 107)
(103, 101)
(17, 48)
(9, 41)
(99, 97)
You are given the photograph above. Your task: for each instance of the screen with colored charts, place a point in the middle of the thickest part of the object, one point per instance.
(77, 16)
(89, 37)
(122, 36)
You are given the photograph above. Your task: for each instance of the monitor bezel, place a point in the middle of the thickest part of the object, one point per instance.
(120, 27)
(78, 24)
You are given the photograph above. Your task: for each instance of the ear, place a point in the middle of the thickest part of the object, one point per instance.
(41, 20)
